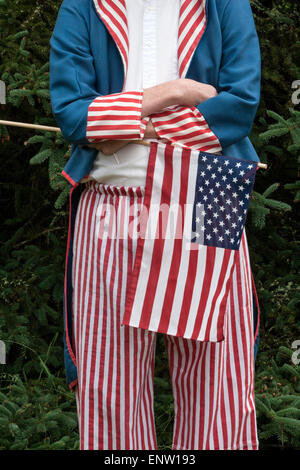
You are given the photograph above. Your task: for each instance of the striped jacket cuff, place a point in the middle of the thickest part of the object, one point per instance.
(186, 127)
(116, 116)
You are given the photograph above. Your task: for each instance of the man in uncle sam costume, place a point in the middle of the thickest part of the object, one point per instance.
(157, 98)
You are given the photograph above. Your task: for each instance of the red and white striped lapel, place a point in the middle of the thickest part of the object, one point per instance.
(192, 23)
(113, 14)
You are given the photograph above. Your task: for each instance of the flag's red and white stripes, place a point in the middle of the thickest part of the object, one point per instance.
(212, 382)
(116, 116)
(186, 127)
(177, 287)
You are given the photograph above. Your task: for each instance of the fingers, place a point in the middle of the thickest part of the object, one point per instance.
(150, 132)
(95, 145)
(111, 146)
(108, 146)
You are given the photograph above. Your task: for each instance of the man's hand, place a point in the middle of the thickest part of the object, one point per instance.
(150, 132)
(191, 93)
(108, 147)
(181, 91)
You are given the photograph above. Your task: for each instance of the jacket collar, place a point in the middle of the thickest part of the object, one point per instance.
(192, 23)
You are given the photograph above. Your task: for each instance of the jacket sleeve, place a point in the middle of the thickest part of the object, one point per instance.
(83, 114)
(228, 117)
(186, 127)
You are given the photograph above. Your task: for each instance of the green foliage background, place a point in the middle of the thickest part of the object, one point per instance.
(37, 411)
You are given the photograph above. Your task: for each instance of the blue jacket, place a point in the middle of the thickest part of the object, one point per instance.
(85, 62)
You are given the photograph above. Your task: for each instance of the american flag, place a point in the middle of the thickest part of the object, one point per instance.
(191, 224)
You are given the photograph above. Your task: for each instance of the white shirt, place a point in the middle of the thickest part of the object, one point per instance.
(153, 35)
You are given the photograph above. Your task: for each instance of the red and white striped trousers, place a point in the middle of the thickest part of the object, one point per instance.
(213, 383)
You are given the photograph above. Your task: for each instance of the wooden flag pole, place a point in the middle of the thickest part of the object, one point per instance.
(30, 126)
(144, 142)
(57, 129)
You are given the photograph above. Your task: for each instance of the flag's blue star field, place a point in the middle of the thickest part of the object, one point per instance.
(222, 196)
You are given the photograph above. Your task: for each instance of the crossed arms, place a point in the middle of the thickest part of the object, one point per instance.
(184, 111)
(182, 94)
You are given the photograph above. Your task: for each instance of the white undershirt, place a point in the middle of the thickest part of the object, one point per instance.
(153, 35)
